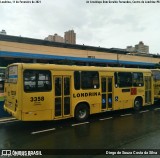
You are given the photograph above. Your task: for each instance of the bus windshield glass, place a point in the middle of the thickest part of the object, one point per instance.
(11, 74)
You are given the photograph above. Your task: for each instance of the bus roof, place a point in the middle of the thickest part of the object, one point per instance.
(75, 67)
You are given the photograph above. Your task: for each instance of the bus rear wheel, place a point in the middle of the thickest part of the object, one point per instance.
(81, 112)
(137, 104)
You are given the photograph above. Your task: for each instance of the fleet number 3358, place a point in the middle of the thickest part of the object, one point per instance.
(37, 99)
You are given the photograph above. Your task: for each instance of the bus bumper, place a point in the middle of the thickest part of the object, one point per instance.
(16, 114)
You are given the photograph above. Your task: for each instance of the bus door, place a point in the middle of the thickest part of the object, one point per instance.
(148, 89)
(62, 96)
(106, 89)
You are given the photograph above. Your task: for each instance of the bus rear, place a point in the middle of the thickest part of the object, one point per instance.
(28, 93)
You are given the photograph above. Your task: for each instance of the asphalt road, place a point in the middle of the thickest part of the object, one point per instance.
(100, 134)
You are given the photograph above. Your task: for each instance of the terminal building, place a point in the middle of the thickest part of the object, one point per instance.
(28, 50)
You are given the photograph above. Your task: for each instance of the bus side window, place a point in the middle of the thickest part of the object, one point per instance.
(58, 86)
(138, 79)
(124, 79)
(77, 80)
(156, 75)
(89, 80)
(37, 80)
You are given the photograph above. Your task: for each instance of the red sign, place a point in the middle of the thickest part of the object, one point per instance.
(133, 91)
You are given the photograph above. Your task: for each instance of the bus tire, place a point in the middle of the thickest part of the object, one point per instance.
(137, 104)
(81, 112)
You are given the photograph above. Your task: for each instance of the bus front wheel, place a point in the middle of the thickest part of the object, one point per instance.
(81, 112)
(137, 104)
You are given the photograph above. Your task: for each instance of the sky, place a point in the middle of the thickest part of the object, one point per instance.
(108, 25)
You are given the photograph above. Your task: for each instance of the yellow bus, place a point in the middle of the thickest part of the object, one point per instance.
(36, 92)
(156, 83)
